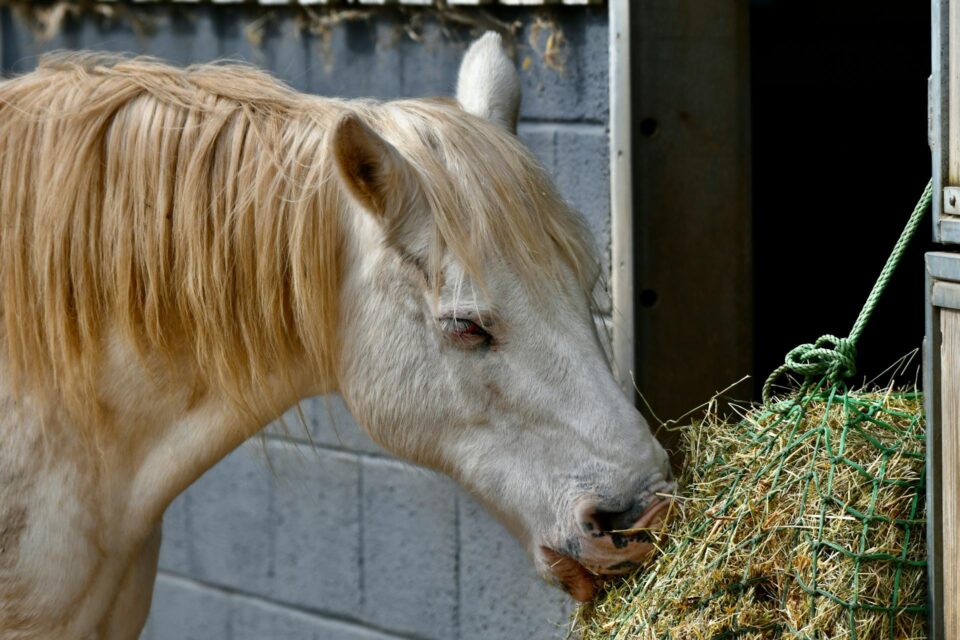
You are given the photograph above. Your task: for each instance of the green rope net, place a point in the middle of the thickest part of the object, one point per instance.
(803, 520)
(818, 531)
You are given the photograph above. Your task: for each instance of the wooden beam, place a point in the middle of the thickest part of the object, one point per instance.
(694, 282)
(621, 200)
(950, 471)
(939, 265)
(953, 117)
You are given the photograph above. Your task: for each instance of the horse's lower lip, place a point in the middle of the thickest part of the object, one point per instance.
(604, 556)
(576, 579)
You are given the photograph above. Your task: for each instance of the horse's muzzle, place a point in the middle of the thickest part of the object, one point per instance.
(605, 549)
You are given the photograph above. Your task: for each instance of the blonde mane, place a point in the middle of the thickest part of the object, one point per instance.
(198, 211)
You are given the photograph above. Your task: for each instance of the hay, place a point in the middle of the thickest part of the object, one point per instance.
(803, 521)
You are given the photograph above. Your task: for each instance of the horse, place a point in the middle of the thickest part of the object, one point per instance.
(187, 252)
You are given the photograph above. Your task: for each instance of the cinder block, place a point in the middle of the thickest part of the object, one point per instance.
(176, 544)
(238, 29)
(178, 36)
(283, 49)
(576, 90)
(369, 57)
(331, 423)
(316, 516)
(500, 594)
(583, 175)
(198, 34)
(357, 58)
(257, 620)
(577, 158)
(23, 45)
(182, 610)
(172, 34)
(185, 610)
(430, 65)
(328, 422)
(230, 521)
(99, 34)
(541, 139)
(409, 549)
(284, 526)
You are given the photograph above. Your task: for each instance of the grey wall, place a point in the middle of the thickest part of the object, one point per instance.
(336, 539)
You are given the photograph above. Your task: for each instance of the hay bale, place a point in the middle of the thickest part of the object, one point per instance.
(802, 521)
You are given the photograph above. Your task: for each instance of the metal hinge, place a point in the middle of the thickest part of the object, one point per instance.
(951, 201)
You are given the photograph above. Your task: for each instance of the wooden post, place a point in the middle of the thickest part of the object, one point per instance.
(621, 199)
(950, 470)
(693, 251)
(941, 383)
(953, 40)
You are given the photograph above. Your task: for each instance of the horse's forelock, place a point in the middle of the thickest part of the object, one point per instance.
(489, 196)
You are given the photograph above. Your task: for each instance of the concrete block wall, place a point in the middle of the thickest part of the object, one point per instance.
(321, 534)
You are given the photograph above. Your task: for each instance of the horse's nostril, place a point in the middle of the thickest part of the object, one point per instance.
(605, 520)
(647, 513)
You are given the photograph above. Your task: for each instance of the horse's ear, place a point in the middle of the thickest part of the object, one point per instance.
(488, 85)
(371, 168)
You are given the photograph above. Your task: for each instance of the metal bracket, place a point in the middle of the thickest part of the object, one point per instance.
(945, 295)
(951, 201)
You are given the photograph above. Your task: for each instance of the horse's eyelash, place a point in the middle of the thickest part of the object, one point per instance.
(486, 338)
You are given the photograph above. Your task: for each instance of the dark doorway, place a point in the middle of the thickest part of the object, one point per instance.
(839, 154)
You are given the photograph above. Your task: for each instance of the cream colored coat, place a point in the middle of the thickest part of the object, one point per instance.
(186, 253)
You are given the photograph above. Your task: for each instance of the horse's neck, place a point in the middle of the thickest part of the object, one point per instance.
(64, 500)
(161, 429)
(174, 430)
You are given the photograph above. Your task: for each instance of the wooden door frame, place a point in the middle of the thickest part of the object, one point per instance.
(680, 199)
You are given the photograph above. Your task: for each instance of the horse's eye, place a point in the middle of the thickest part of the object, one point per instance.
(465, 332)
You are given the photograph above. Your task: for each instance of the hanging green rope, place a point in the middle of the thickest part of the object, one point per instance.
(804, 520)
(833, 357)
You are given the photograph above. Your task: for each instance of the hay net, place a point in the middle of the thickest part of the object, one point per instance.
(803, 520)
(817, 531)
(874, 440)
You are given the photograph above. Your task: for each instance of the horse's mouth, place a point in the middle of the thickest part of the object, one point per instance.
(607, 553)
(580, 578)
(575, 578)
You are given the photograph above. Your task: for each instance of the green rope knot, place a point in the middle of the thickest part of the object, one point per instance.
(829, 356)
(833, 357)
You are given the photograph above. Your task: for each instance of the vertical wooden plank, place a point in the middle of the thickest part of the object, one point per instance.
(621, 199)
(931, 383)
(950, 470)
(691, 153)
(953, 109)
(938, 94)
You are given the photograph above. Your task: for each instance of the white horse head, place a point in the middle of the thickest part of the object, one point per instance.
(186, 252)
(483, 360)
